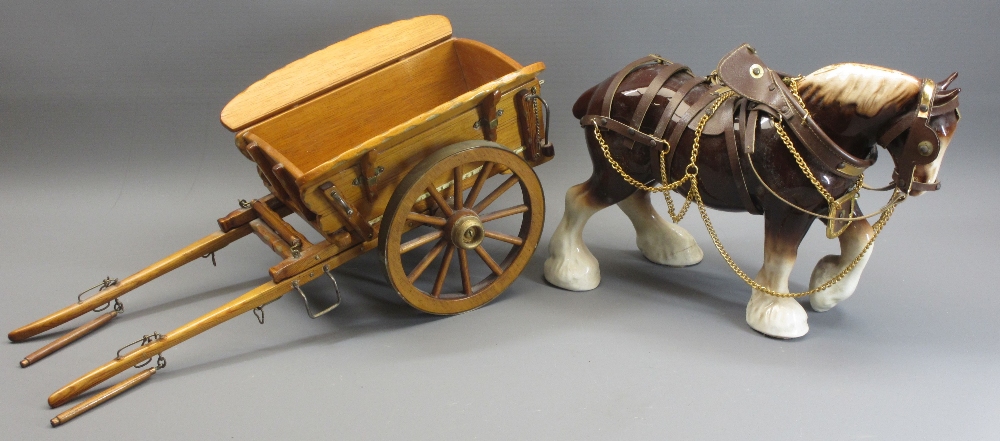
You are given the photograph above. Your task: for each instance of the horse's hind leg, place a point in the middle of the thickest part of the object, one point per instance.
(570, 264)
(660, 241)
(852, 242)
(780, 317)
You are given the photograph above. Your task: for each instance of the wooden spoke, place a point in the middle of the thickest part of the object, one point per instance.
(436, 195)
(426, 220)
(426, 261)
(484, 174)
(503, 213)
(504, 237)
(443, 271)
(457, 186)
(463, 264)
(425, 239)
(489, 260)
(496, 193)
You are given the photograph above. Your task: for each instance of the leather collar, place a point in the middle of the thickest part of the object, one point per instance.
(744, 72)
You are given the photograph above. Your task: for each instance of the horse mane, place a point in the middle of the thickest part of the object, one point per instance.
(869, 88)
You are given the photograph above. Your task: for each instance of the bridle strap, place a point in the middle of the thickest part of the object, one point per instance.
(903, 122)
(922, 145)
(896, 128)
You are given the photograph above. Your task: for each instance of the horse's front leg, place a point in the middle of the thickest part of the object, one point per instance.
(660, 241)
(852, 243)
(780, 317)
(570, 264)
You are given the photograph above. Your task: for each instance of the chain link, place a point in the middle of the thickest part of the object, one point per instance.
(802, 164)
(877, 228)
(634, 182)
(793, 85)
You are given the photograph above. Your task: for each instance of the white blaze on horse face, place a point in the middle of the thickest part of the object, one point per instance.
(869, 88)
(928, 173)
(944, 126)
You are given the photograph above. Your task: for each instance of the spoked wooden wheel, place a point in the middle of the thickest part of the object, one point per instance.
(475, 200)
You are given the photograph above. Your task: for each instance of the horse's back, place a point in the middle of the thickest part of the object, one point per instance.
(583, 102)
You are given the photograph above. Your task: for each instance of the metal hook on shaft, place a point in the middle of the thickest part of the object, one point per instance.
(105, 284)
(259, 311)
(145, 340)
(119, 307)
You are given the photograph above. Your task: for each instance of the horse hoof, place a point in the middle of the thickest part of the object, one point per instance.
(580, 274)
(827, 268)
(689, 256)
(779, 317)
(673, 246)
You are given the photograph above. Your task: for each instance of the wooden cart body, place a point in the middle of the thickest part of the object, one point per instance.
(365, 140)
(425, 95)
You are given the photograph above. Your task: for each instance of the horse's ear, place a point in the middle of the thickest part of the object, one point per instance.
(947, 81)
(946, 95)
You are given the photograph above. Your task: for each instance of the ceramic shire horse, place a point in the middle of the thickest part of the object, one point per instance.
(834, 118)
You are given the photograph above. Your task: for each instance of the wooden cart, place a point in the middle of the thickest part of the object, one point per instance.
(401, 138)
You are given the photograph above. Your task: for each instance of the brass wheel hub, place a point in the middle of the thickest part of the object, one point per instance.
(467, 231)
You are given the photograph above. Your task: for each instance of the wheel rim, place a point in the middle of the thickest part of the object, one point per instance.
(499, 215)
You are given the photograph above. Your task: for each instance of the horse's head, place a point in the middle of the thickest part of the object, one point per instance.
(913, 119)
(917, 139)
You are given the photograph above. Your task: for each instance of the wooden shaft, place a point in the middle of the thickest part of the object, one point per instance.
(100, 398)
(209, 244)
(70, 337)
(261, 295)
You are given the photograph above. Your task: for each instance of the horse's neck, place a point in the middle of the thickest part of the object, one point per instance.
(854, 102)
(856, 135)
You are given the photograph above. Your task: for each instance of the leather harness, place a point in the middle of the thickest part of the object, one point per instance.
(761, 89)
(676, 118)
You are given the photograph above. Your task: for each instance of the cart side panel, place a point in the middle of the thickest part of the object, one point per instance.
(312, 133)
(427, 121)
(397, 156)
(482, 63)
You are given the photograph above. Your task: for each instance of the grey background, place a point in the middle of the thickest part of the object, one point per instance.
(111, 157)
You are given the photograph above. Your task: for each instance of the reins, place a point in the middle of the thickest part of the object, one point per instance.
(895, 199)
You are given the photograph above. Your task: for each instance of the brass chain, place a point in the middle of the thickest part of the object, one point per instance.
(634, 182)
(876, 227)
(793, 85)
(802, 163)
(691, 171)
(691, 174)
(834, 204)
